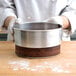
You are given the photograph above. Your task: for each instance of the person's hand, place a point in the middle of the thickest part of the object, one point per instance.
(9, 23)
(62, 20)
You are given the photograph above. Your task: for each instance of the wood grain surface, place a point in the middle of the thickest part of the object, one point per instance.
(63, 64)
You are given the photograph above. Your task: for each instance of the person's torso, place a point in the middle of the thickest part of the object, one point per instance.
(38, 10)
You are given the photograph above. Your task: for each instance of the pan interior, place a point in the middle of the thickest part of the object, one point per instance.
(36, 26)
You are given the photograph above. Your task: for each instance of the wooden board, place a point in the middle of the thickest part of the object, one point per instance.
(63, 64)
